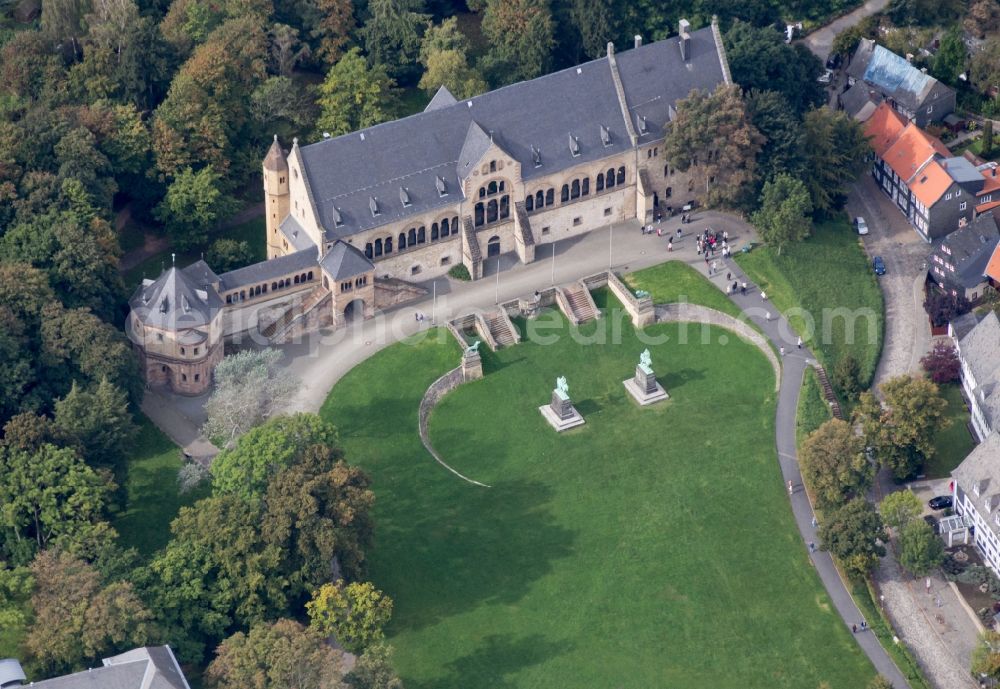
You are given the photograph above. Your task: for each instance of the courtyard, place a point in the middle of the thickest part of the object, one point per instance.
(650, 547)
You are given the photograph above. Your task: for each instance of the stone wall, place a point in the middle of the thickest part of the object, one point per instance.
(438, 389)
(391, 292)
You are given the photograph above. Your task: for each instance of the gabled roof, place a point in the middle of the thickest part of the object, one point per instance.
(174, 301)
(201, 273)
(295, 234)
(992, 270)
(152, 667)
(981, 466)
(268, 270)
(969, 249)
(893, 76)
(980, 350)
(912, 150)
(345, 261)
(441, 99)
(476, 143)
(859, 102)
(930, 183)
(962, 171)
(348, 170)
(884, 127)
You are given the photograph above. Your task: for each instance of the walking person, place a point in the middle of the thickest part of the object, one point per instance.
(679, 233)
(670, 244)
(767, 316)
(790, 488)
(729, 276)
(782, 350)
(854, 628)
(714, 266)
(763, 295)
(744, 288)
(799, 343)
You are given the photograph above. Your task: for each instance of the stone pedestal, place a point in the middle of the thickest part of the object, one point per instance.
(644, 388)
(560, 412)
(472, 366)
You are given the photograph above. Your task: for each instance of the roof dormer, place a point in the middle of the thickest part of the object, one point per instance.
(574, 145)
(373, 206)
(404, 197)
(605, 136)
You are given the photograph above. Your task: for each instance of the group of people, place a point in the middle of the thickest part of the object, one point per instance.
(709, 242)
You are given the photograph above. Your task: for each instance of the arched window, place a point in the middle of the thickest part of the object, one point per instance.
(274, 285)
(501, 186)
(295, 280)
(609, 178)
(229, 299)
(493, 166)
(586, 186)
(529, 203)
(243, 295)
(666, 170)
(492, 211)
(669, 192)
(401, 241)
(310, 276)
(454, 225)
(574, 192)
(600, 181)
(388, 245)
(550, 197)
(621, 175)
(564, 194)
(368, 250)
(256, 291)
(421, 235)
(491, 188)
(479, 214)
(434, 232)
(445, 230)
(482, 192)
(504, 206)
(411, 237)
(378, 247)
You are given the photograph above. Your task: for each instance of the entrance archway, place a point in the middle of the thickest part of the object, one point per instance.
(493, 247)
(355, 310)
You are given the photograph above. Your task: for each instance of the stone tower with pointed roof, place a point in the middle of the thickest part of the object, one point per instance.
(276, 197)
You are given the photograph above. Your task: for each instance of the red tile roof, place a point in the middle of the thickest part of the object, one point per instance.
(930, 183)
(912, 150)
(884, 127)
(993, 267)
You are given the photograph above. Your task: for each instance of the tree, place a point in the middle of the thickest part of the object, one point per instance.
(920, 549)
(215, 573)
(283, 106)
(77, 619)
(760, 59)
(854, 534)
(837, 152)
(520, 34)
(354, 96)
(392, 35)
(97, 423)
(228, 254)
(444, 55)
(333, 28)
(17, 375)
(63, 20)
(924, 12)
(245, 468)
(286, 49)
(902, 428)
(318, 513)
(986, 656)
(49, 495)
(847, 375)
(598, 22)
(354, 613)
(984, 69)
(982, 18)
(987, 147)
(194, 204)
(279, 655)
(774, 118)
(942, 308)
(834, 464)
(950, 59)
(900, 508)
(713, 138)
(941, 363)
(784, 212)
(374, 670)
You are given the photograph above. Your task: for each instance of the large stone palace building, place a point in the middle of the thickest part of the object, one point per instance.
(459, 183)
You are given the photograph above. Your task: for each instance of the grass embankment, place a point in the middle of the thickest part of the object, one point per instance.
(955, 443)
(676, 281)
(826, 288)
(813, 409)
(650, 547)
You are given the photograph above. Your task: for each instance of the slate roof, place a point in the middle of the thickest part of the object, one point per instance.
(268, 270)
(858, 101)
(174, 301)
(345, 261)
(441, 99)
(143, 668)
(981, 466)
(275, 158)
(962, 171)
(348, 171)
(962, 325)
(980, 350)
(297, 237)
(201, 273)
(893, 76)
(10, 672)
(969, 249)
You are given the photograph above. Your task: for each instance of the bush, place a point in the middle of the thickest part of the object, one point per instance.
(942, 364)
(228, 254)
(459, 272)
(190, 476)
(942, 308)
(847, 376)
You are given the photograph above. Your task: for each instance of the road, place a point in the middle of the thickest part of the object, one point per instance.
(820, 41)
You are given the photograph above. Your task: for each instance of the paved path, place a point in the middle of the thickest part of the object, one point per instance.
(820, 41)
(323, 359)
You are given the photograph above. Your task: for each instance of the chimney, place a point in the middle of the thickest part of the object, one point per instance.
(611, 49)
(684, 40)
(638, 41)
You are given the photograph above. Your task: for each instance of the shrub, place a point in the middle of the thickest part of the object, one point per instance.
(941, 363)
(847, 375)
(190, 476)
(942, 308)
(459, 272)
(228, 254)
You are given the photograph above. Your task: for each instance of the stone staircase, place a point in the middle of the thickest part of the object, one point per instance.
(502, 330)
(828, 393)
(581, 304)
(296, 312)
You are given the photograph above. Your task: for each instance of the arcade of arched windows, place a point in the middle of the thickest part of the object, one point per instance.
(412, 238)
(254, 291)
(493, 203)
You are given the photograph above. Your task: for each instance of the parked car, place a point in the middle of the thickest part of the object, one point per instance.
(879, 265)
(833, 61)
(826, 77)
(941, 502)
(931, 522)
(861, 225)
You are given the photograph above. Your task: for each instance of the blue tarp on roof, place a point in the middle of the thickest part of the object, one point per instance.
(893, 73)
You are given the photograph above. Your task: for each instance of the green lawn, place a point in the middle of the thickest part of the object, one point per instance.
(152, 500)
(813, 409)
(676, 281)
(955, 442)
(251, 232)
(825, 286)
(649, 548)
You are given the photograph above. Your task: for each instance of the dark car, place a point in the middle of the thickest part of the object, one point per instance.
(931, 522)
(941, 502)
(879, 265)
(833, 61)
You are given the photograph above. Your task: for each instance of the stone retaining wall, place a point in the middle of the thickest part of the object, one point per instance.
(695, 313)
(438, 389)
